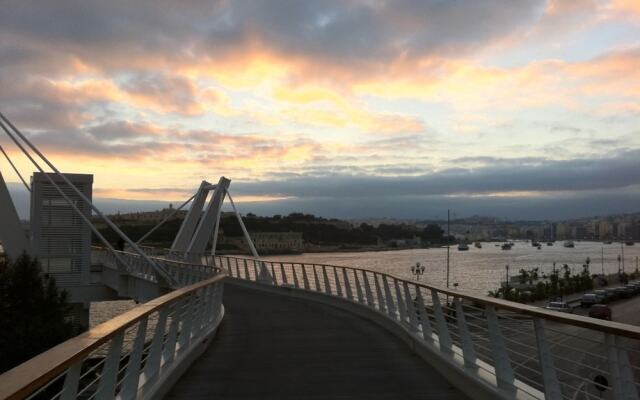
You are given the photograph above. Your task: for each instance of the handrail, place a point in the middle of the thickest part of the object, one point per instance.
(36, 372)
(617, 328)
(468, 330)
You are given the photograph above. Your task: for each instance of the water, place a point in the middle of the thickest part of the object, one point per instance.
(475, 270)
(479, 270)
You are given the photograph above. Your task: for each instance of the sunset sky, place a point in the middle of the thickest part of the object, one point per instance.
(368, 108)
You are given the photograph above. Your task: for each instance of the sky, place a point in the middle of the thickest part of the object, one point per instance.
(352, 109)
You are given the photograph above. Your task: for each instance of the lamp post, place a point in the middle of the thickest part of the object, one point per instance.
(587, 262)
(619, 259)
(417, 270)
(507, 283)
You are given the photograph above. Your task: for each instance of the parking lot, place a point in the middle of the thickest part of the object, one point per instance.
(624, 310)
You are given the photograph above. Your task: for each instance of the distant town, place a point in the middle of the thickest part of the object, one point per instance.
(298, 232)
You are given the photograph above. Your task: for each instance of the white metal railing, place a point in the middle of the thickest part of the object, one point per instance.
(524, 351)
(183, 272)
(129, 356)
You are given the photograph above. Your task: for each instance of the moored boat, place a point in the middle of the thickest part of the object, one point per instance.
(569, 244)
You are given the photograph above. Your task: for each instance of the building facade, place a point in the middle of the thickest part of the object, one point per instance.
(60, 239)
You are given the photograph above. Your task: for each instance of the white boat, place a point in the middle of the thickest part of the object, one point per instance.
(463, 247)
(569, 244)
(478, 245)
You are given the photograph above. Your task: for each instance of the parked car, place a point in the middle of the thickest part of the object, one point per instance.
(589, 299)
(623, 292)
(634, 289)
(600, 311)
(613, 293)
(559, 306)
(603, 295)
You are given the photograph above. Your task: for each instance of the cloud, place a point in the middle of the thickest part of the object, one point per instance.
(505, 176)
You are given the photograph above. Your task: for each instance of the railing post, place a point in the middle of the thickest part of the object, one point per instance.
(468, 351)
(185, 333)
(411, 311)
(152, 365)
(401, 304)
(425, 323)
(620, 369)
(444, 338)
(132, 377)
(296, 283)
(337, 280)
(71, 380)
(504, 372)
(199, 319)
(170, 345)
(382, 305)
(347, 284)
(550, 379)
(238, 268)
(367, 289)
(316, 278)
(391, 307)
(358, 287)
(246, 270)
(284, 275)
(107, 383)
(305, 278)
(327, 285)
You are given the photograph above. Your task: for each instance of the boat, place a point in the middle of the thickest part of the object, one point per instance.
(534, 243)
(507, 246)
(549, 243)
(478, 245)
(607, 242)
(569, 244)
(463, 247)
(629, 243)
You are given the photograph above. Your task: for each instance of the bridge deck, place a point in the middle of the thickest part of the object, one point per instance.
(274, 347)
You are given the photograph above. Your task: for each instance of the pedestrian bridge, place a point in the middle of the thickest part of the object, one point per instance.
(290, 330)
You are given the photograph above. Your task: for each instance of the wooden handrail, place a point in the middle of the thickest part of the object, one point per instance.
(29, 376)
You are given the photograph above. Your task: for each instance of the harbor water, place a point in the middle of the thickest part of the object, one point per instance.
(477, 270)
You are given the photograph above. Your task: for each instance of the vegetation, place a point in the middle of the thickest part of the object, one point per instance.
(559, 283)
(315, 230)
(32, 312)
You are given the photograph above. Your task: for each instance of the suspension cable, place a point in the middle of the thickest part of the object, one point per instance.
(165, 219)
(244, 229)
(163, 273)
(15, 169)
(66, 198)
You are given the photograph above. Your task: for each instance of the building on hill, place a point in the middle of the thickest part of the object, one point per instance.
(266, 242)
(149, 217)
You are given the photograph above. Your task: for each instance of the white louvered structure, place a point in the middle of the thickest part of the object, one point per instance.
(60, 239)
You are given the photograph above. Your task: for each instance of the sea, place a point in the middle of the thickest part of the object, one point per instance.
(476, 270)
(479, 270)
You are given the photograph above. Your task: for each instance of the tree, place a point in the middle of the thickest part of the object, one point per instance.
(32, 312)
(432, 233)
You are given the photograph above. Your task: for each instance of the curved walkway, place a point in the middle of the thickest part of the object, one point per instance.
(275, 347)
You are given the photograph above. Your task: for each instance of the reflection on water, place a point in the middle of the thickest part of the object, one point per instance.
(479, 270)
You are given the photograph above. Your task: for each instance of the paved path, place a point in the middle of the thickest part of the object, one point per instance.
(273, 347)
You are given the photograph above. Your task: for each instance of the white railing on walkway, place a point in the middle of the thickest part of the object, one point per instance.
(524, 351)
(130, 356)
(184, 273)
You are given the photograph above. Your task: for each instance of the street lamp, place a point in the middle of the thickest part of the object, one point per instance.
(417, 270)
(587, 262)
(507, 268)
